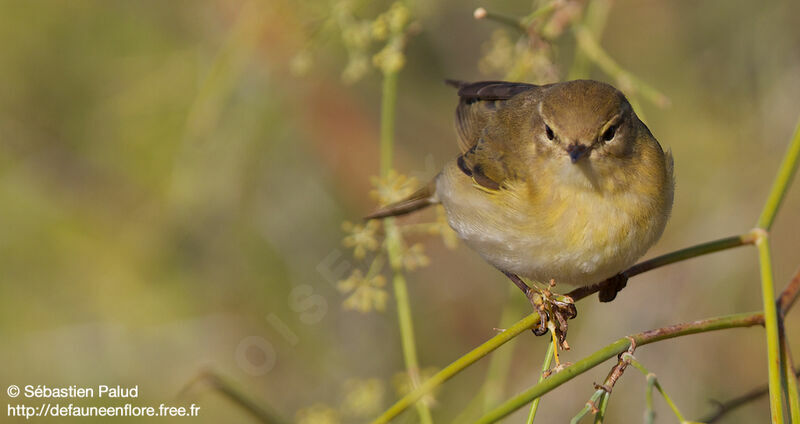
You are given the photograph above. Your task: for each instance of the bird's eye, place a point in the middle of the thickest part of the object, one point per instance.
(549, 132)
(610, 132)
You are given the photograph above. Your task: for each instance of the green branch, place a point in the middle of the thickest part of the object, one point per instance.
(533, 319)
(601, 410)
(649, 412)
(691, 252)
(626, 80)
(500, 363)
(394, 242)
(548, 357)
(595, 22)
(667, 259)
(615, 348)
(789, 380)
(256, 408)
(782, 182)
(789, 294)
(652, 381)
(723, 408)
(510, 21)
(405, 322)
(388, 105)
(777, 383)
(458, 365)
(784, 302)
(771, 324)
(409, 345)
(603, 392)
(540, 14)
(590, 404)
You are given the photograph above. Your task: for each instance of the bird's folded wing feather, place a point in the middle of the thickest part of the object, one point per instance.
(487, 147)
(482, 136)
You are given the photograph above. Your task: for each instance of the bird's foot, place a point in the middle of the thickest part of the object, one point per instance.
(612, 286)
(554, 310)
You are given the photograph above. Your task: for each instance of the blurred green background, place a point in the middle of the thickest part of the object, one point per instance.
(172, 197)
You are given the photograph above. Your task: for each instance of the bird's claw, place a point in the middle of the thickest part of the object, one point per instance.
(554, 312)
(541, 330)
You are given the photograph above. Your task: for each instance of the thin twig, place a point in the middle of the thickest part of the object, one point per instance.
(394, 240)
(255, 408)
(788, 382)
(541, 13)
(388, 105)
(604, 391)
(491, 392)
(615, 348)
(548, 357)
(652, 381)
(649, 412)
(601, 410)
(500, 362)
(618, 369)
(510, 21)
(594, 21)
(723, 408)
(789, 294)
(792, 396)
(459, 364)
(774, 369)
(620, 280)
(625, 79)
(731, 321)
(394, 250)
(782, 182)
(588, 407)
(784, 303)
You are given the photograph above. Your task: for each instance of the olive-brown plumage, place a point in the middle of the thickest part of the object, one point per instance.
(555, 182)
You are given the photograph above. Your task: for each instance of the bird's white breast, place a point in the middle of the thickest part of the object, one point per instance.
(574, 236)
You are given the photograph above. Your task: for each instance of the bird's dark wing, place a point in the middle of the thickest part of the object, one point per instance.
(478, 101)
(489, 90)
(482, 139)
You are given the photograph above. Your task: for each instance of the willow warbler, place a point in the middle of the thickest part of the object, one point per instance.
(558, 182)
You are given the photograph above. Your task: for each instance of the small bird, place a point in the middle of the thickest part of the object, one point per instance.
(555, 183)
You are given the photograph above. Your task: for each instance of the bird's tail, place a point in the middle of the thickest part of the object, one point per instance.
(420, 199)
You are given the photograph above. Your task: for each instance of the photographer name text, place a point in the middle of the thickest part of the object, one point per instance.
(74, 391)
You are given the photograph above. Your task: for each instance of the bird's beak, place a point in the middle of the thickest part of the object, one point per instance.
(576, 151)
